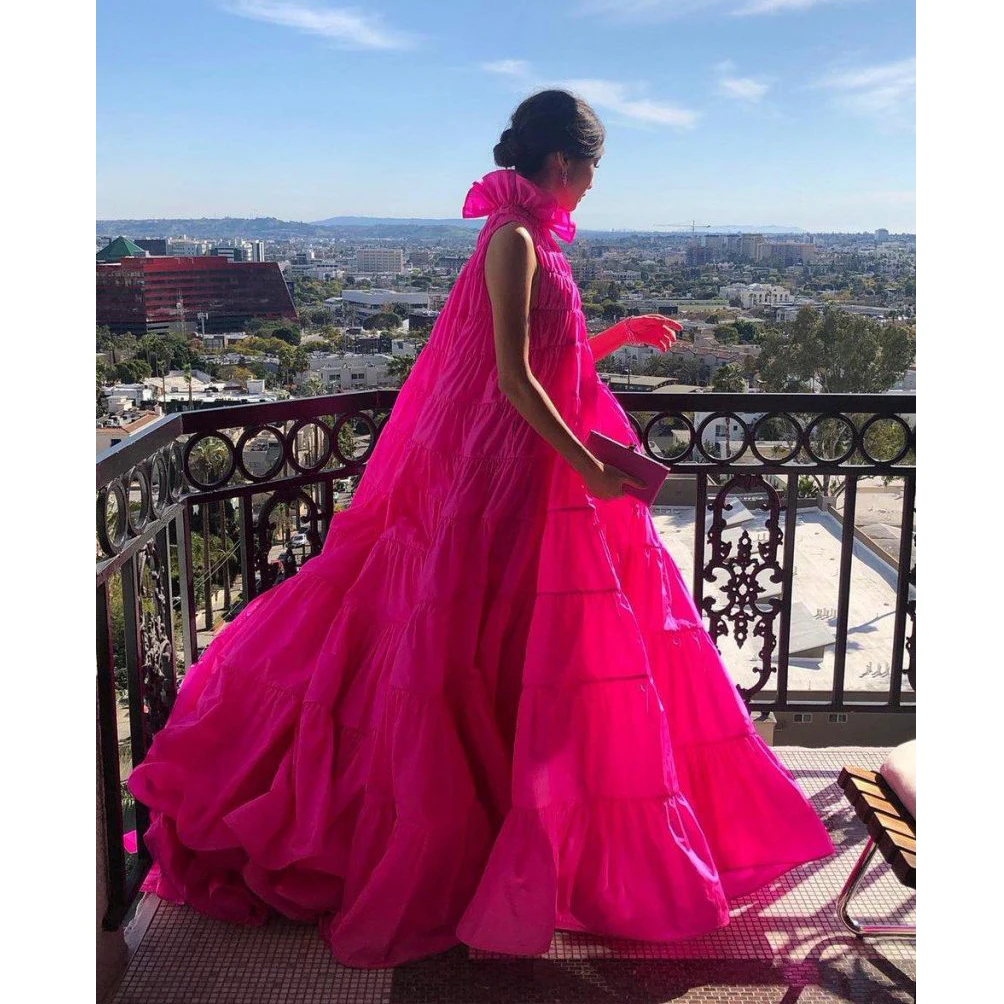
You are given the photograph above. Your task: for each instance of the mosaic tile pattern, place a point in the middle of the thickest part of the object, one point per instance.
(783, 946)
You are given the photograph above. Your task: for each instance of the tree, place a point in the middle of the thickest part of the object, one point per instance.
(157, 351)
(746, 329)
(314, 386)
(726, 334)
(261, 345)
(729, 379)
(118, 348)
(334, 338)
(100, 403)
(384, 320)
(133, 371)
(291, 336)
(235, 374)
(292, 360)
(839, 352)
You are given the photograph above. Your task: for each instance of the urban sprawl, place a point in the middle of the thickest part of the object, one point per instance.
(188, 322)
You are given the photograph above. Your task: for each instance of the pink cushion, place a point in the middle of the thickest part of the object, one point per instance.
(900, 773)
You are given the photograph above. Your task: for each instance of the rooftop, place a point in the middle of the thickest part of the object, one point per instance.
(784, 945)
(120, 248)
(827, 660)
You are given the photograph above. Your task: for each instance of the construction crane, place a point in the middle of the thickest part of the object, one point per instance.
(691, 223)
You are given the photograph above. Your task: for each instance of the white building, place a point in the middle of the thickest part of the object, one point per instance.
(124, 396)
(636, 355)
(402, 347)
(907, 383)
(240, 251)
(725, 433)
(323, 270)
(183, 247)
(362, 303)
(755, 294)
(349, 371)
(382, 260)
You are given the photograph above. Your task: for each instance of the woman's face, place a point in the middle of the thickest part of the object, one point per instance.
(580, 180)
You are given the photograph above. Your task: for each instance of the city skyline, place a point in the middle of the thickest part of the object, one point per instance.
(773, 111)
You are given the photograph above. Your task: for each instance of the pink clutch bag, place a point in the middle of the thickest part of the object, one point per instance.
(630, 460)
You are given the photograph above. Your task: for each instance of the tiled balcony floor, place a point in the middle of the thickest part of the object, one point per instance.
(784, 945)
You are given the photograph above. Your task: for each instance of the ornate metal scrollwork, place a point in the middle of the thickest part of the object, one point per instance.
(910, 644)
(267, 571)
(156, 651)
(745, 567)
(129, 503)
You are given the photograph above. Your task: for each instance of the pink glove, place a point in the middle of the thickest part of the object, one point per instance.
(649, 329)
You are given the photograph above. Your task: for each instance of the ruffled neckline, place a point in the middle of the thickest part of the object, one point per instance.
(506, 189)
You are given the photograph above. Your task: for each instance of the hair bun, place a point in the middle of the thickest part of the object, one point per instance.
(506, 151)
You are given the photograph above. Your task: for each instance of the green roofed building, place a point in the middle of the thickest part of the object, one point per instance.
(120, 248)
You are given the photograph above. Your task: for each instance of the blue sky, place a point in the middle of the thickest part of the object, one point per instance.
(724, 111)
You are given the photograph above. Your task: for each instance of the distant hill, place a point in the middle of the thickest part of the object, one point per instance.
(738, 228)
(392, 221)
(271, 228)
(263, 227)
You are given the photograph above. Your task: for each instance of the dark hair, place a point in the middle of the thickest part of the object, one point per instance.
(544, 123)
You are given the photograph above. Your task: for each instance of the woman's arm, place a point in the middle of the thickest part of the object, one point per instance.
(645, 329)
(509, 267)
(608, 341)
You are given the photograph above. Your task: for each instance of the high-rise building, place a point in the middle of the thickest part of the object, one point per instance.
(388, 261)
(784, 253)
(748, 245)
(697, 255)
(240, 250)
(165, 294)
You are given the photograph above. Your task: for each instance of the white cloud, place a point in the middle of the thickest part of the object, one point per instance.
(508, 67)
(616, 97)
(774, 6)
(609, 95)
(645, 8)
(741, 88)
(886, 91)
(348, 27)
(660, 9)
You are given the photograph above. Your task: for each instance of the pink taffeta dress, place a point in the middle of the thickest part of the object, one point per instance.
(489, 708)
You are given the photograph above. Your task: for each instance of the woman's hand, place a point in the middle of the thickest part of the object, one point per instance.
(651, 329)
(646, 329)
(605, 481)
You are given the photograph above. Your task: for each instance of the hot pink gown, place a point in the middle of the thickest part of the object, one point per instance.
(489, 708)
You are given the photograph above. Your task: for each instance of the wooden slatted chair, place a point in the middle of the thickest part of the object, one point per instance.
(886, 802)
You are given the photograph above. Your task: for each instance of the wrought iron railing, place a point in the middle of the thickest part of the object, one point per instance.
(205, 509)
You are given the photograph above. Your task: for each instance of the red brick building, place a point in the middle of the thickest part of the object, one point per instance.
(162, 294)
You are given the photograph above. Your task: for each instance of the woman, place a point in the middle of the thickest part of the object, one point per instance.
(489, 708)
